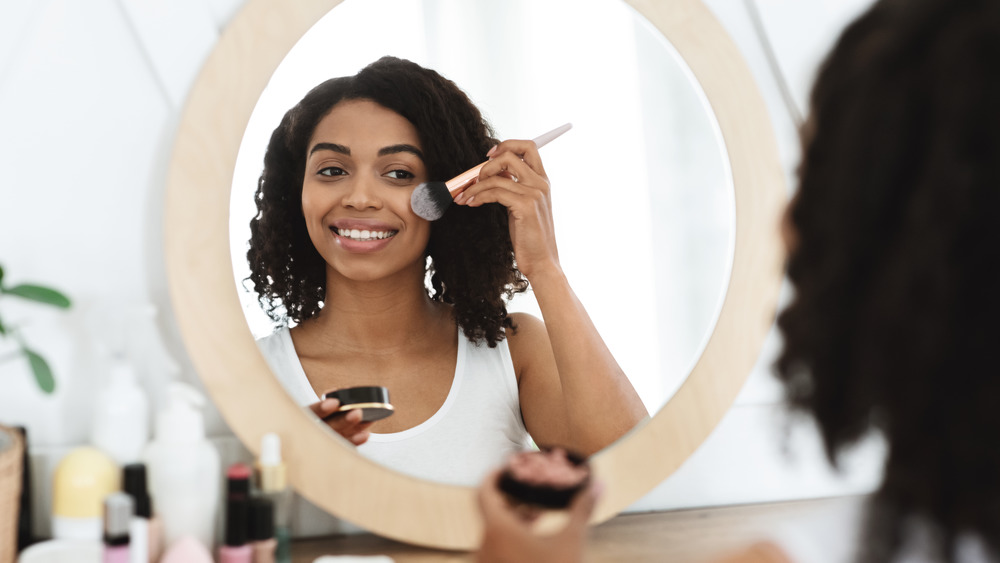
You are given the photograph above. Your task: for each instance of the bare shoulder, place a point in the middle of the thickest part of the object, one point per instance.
(529, 342)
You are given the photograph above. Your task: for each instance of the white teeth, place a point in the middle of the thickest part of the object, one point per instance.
(355, 234)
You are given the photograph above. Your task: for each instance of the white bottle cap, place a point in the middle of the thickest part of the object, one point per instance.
(181, 420)
(270, 449)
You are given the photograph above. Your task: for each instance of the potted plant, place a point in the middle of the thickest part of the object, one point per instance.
(39, 294)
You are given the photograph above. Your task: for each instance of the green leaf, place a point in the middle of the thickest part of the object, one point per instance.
(40, 294)
(43, 374)
(1, 275)
(3, 329)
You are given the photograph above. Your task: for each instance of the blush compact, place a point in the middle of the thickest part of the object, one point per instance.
(547, 479)
(373, 401)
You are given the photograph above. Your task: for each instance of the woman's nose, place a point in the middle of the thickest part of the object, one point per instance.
(362, 194)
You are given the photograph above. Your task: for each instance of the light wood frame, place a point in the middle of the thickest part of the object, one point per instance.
(328, 471)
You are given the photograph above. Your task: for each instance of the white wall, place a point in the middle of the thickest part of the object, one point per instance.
(90, 93)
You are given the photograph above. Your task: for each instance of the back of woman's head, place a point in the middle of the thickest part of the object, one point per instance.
(470, 249)
(896, 263)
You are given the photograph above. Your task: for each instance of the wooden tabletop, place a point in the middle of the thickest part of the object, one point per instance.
(696, 535)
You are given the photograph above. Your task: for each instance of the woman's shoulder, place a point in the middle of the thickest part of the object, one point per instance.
(527, 341)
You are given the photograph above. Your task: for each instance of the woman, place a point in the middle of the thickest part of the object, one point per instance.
(379, 296)
(893, 239)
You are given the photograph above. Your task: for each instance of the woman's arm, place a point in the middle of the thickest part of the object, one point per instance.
(573, 393)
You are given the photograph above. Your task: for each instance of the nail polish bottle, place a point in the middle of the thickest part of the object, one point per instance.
(236, 549)
(262, 540)
(118, 509)
(272, 480)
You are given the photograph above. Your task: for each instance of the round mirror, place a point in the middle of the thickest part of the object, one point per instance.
(741, 225)
(644, 223)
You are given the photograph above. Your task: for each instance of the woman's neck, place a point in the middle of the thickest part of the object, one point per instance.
(385, 315)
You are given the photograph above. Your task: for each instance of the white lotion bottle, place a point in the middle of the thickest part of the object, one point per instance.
(121, 416)
(184, 469)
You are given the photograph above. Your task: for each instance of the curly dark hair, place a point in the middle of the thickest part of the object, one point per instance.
(896, 266)
(471, 262)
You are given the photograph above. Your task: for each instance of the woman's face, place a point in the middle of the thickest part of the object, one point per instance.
(363, 163)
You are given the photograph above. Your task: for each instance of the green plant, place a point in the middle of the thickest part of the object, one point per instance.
(39, 294)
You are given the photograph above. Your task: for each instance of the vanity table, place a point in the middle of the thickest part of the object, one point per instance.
(698, 535)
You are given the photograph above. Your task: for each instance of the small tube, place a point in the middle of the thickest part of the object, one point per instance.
(118, 509)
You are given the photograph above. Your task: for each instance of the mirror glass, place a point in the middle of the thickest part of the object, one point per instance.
(642, 193)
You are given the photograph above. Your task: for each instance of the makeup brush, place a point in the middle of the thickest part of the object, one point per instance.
(431, 199)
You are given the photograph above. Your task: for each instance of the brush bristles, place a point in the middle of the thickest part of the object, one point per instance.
(430, 200)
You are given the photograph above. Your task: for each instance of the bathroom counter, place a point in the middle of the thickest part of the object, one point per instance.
(677, 535)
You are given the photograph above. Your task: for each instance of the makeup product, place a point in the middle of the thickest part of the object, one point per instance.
(263, 544)
(24, 537)
(547, 479)
(373, 402)
(272, 481)
(183, 469)
(187, 550)
(431, 199)
(146, 530)
(121, 415)
(238, 481)
(118, 509)
(63, 551)
(236, 549)
(81, 481)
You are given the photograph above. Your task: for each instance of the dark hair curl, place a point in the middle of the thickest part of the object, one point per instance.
(896, 268)
(471, 262)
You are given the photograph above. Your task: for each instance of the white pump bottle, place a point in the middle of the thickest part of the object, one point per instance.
(183, 467)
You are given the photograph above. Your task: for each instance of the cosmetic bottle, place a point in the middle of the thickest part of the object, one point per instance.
(236, 549)
(272, 481)
(238, 481)
(81, 481)
(118, 509)
(261, 533)
(183, 469)
(146, 530)
(121, 415)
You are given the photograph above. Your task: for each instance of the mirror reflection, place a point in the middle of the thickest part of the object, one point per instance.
(638, 222)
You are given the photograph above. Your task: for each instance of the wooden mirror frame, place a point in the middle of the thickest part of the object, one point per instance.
(328, 471)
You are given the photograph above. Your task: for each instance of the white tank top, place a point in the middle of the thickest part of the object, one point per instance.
(475, 430)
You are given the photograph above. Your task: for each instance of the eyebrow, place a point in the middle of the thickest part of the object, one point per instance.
(330, 147)
(393, 149)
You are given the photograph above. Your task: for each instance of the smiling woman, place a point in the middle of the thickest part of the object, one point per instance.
(337, 250)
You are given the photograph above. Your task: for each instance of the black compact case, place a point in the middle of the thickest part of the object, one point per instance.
(544, 496)
(373, 401)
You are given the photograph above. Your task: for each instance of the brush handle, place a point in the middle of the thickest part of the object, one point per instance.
(459, 183)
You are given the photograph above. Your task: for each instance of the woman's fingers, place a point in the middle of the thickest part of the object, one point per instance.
(325, 408)
(523, 150)
(349, 425)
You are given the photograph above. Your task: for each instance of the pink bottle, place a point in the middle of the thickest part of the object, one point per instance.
(118, 509)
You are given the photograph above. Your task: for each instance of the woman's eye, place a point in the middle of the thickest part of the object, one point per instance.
(332, 171)
(400, 175)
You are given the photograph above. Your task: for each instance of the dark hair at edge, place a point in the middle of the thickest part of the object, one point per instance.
(471, 255)
(893, 325)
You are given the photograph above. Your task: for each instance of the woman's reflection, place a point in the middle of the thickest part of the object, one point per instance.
(379, 296)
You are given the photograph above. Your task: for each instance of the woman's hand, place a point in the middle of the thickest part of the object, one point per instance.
(348, 425)
(509, 537)
(515, 178)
